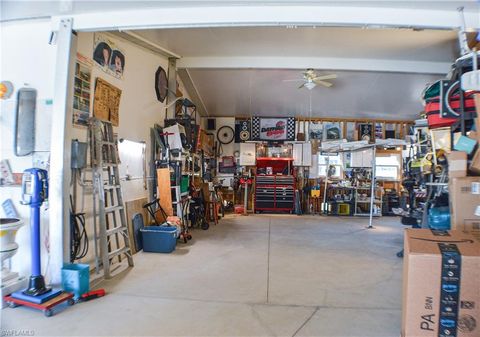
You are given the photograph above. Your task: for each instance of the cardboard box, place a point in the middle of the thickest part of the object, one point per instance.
(472, 227)
(464, 197)
(472, 40)
(441, 288)
(457, 164)
(475, 163)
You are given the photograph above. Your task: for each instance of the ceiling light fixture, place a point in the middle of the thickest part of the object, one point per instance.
(310, 85)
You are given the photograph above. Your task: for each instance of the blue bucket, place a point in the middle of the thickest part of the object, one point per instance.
(76, 278)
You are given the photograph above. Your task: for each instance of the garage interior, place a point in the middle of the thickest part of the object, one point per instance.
(240, 174)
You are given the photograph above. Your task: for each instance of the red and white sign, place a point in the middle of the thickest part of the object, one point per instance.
(273, 128)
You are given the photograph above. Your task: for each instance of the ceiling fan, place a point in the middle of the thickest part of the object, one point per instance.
(311, 79)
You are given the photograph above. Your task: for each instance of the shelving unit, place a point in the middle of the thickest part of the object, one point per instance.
(336, 204)
(377, 201)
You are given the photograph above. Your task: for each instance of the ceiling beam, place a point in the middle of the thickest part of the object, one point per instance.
(193, 92)
(352, 64)
(268, 15)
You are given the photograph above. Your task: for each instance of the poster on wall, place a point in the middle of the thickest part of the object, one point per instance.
(316, 130)
(333, 131)
(81, 93)
(273, 129)
(106, 102)
(366, 132)
(378, 131)
(350, 132)
(108, 56)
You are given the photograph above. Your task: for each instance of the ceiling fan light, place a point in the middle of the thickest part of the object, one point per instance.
(310, 85)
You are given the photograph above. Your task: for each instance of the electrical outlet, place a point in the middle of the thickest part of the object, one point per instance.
(41, 160)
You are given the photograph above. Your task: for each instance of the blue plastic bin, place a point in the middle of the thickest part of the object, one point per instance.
(76, 278)
(439, 218)
(159, 239)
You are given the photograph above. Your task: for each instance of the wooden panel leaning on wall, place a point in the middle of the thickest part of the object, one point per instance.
(133, 207)
(164, 191)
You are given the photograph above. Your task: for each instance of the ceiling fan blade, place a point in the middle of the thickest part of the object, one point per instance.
(294, 80)
(326, 77)
(326, 84)
(300, 87)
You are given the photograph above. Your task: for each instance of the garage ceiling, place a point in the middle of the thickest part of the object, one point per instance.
(341, 42)
(236, 66)
(262, 92)
(240, 70)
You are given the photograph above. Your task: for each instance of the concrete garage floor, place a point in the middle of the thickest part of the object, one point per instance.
(262, 275)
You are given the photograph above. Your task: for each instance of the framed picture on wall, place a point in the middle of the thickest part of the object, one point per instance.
(390, 131)
(82, 91)
(378, 131)
(332, 131)
(366, 131)
(350, 136)
(315, 130)
(108, 56)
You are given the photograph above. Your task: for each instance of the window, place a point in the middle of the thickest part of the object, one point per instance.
(388, 166)
(335, 160)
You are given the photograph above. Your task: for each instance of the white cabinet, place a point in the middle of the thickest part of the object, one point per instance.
(307, 154)
(302, 154)
(297, 154)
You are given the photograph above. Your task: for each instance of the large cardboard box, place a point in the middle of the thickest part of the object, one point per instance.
(475, 164)
(441, 284)
(457, 164)
(464, 196)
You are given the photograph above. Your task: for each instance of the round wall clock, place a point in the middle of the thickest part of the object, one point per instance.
(161, 84)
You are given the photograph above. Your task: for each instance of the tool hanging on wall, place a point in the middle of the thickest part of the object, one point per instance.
(111, 238)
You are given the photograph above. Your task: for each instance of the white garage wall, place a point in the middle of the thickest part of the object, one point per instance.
(139, 110)
(26, 59)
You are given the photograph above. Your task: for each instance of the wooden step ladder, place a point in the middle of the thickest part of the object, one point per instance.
(111, 239)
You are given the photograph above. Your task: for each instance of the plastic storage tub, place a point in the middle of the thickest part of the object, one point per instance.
(76, 278)
(159, 239)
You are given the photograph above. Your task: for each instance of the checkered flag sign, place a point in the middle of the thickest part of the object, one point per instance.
(257, 123)
(291, 128)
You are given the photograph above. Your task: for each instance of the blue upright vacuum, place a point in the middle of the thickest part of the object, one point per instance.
(34, 193)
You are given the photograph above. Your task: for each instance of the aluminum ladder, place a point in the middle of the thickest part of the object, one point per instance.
(112, 242)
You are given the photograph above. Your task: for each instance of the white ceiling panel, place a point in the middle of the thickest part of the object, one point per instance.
(234, 92)
(397, 44)
(230, 67)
